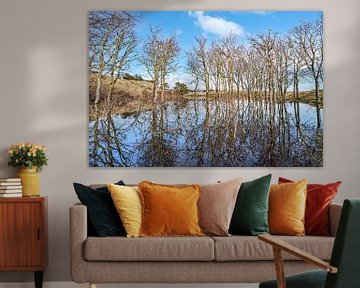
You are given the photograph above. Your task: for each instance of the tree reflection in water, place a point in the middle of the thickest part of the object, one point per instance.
(209, 133)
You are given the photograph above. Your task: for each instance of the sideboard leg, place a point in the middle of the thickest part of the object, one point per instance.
(92, 285)
(38, 279)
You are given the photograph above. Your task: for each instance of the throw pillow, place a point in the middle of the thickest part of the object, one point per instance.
(101, 211)
(287, 208)
(250, 215)
(216, 206)
(319, 197)
(169, 210)
(127, 201)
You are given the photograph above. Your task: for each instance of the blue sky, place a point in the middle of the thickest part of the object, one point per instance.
(186, 25)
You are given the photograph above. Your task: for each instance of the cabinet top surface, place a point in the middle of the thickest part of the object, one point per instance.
(23, 199)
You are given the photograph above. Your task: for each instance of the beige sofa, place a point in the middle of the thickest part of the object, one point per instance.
(234, 259)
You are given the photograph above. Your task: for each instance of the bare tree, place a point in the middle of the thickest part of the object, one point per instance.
(309, 41)
(194, 69)
(112, 42)
(282, 66)
(264, 44)
(168, 64)
(159, 58)
(151, 58)
(230, 49)
(297, 65)
(239, 69)
(198, 56)
(216, 66)
(254, 74)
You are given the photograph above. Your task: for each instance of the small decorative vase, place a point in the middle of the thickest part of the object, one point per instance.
(30, 181)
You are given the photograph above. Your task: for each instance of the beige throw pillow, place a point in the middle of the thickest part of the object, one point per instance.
(216, 206)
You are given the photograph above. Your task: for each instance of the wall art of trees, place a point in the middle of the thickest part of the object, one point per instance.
(168, 89)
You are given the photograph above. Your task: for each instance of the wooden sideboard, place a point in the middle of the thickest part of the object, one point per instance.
(23, 235)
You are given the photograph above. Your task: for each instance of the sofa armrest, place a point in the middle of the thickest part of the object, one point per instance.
(78, 235)
(334, 217)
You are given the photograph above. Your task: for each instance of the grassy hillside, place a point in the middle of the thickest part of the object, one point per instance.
(124, 90)
(127, 95)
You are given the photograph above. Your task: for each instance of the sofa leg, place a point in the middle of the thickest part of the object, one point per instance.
(92, 285)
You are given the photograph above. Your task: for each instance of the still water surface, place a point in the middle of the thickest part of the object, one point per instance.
(200, 133)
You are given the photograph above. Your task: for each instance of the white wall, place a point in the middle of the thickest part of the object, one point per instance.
(43, 90)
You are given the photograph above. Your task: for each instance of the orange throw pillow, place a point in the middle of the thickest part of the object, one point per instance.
(287, 204)
(169, 210)
(319, 197)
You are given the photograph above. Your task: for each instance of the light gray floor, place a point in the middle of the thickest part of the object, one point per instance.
(74, 285)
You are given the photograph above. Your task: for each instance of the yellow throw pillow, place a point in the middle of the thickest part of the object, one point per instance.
(127, 201)
(169, 210)
(287, 204)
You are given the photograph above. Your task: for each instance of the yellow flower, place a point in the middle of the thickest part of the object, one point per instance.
(27, 152)
(40, 147)
(13, 149)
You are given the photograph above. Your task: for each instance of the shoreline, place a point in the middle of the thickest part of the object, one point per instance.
(138, 106)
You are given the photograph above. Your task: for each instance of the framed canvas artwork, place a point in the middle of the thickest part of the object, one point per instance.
(205, 88)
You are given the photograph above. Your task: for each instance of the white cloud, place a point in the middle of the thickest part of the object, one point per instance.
(216, 25)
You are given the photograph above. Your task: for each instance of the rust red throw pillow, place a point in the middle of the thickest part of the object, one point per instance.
(319, 197)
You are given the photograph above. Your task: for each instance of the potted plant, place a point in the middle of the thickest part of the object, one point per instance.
(30, 158)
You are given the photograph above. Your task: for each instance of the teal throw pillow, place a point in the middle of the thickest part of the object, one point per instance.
(250, 216)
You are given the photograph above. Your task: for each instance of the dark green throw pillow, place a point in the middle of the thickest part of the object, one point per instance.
(250, 216)
(103, 218)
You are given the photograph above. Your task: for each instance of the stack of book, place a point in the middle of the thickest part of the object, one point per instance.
(10, 187)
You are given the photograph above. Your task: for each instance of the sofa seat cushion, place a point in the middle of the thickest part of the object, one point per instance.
(244, 248)
(149, 249)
